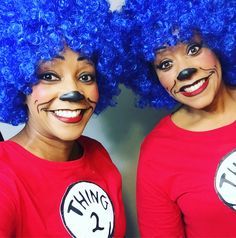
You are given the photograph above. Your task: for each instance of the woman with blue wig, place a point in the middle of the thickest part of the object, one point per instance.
(58, 66)
(185, 52)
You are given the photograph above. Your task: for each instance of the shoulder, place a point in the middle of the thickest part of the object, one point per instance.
(5, 154)
(85, 140)
(1, 149)
(5, 151)
(7, 175)
(156, 149)
(95, 151)
(8, 152)
(100, 159)
(163, 125)
(8, 161)
(92, 146)
(9, 197)
(162, 129)
(2, 143)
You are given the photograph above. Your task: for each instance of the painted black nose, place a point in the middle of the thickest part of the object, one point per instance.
(186, 73)
(73, 96)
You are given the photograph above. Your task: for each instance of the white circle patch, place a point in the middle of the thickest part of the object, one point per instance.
(225, 180)
(87, 211)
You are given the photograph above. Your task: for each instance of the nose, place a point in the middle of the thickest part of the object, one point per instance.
(186, 73)
(73, 96)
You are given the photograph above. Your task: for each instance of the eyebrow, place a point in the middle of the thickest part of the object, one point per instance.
(80, 58)
(60, 57)
(161, 49)
(83, 58)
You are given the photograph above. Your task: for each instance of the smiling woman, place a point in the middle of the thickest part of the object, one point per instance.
(184, 53)
(61, 104)
(190, 73)
(58, 65)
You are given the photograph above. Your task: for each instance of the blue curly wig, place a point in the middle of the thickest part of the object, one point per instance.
(36, 30)
(154, 23)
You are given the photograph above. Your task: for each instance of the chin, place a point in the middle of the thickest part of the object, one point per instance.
(200, 103)
(66, 134)
(201, 106)
(68, 137)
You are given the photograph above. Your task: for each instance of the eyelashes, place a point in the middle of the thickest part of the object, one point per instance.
(49, 77)
(87, 78)
(164, 65)
(53, 77)
(192, 49)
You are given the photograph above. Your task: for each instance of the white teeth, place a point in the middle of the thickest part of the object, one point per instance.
(194, 87)
(67, 113)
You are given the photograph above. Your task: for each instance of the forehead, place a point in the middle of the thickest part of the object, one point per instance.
(67, 56)
(167, 50)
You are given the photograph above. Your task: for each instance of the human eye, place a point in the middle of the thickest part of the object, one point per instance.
(48, 76)
(194, 49)
(87, 78)
(164, 65)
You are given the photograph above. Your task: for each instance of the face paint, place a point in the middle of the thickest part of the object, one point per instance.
(191, 74)
(197, 87)
(74, 96)
(186, 73)
(65, 98)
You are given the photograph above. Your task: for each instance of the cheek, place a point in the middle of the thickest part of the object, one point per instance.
(208, 59)
(167, 80)
(39, 93)
(93, 93)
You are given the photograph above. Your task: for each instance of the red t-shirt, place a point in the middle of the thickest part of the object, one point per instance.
(40, 198)
(186, 182)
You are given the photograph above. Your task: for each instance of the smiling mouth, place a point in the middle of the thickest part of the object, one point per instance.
(68, 113)
(69, 116)
(195, 88)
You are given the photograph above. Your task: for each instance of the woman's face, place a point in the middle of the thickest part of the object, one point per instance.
(65, 97)
(190, 73)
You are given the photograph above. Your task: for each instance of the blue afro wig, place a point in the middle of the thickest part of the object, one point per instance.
(154, 23)
(36, 30)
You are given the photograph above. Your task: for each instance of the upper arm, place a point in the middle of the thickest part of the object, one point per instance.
(158, 215)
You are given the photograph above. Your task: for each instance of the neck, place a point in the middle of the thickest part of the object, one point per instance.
(48, 148)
